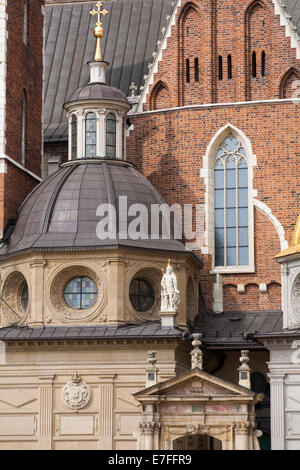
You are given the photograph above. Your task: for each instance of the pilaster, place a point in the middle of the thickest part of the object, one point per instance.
(46, 412)
(106, 406)
(116, 286)
(277, 411)
(37, 292)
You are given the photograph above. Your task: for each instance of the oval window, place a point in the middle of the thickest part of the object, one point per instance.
(81, 293)
(141, 295)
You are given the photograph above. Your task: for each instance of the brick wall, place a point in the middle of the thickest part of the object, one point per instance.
(168, 148)
(24, 78)
(210, 29)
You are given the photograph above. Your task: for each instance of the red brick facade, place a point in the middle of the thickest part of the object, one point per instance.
(209, 30)
(23, 84)
(225, 52)
(168, 146)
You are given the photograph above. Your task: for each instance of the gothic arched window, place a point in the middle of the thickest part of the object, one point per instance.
(111, 134)
(90, 135)
(74, 136)
(231, 204)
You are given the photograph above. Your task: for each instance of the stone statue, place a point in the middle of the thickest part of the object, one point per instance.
(169, 293)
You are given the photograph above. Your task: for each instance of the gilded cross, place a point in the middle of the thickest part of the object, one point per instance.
(99, 12)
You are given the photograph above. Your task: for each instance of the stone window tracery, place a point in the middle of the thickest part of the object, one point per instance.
(231, 204)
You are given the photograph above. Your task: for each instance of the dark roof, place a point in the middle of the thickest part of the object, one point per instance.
(132, 29)
(145, 331)
(60, 213)
(235, 329)
(97, 91)
(292, 8)
(279, 334)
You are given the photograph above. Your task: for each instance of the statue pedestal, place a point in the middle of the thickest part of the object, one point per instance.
(167, 318)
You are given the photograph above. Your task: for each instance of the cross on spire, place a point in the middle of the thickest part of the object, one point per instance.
(99, 12)
(98, 30)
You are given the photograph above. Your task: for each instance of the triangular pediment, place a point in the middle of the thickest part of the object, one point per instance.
(193, 382)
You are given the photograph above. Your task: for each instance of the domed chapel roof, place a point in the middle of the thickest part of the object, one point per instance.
(61, 211)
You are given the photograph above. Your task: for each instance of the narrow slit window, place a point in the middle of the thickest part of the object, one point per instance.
(229, 67)
(23, 131)
(196, 66)
(254, 73)
(25, 21)
(90, 135)
(74, 137)
(263, 64)
(187, 71)
(220, 67)
(111, 134)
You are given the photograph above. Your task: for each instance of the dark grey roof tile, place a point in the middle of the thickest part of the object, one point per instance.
(132, 29)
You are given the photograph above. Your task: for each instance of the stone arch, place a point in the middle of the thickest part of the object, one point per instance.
(208, 173)
(189, 18)
(199, 441)
(278, 226)
(288, 86)
(160, 97)
(257, 39)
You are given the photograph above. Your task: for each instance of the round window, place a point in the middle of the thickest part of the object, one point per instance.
(24, 296)
(141, 295)
(81, 293)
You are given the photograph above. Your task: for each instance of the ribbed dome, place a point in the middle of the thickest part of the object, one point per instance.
(61, 211)
(97, 91)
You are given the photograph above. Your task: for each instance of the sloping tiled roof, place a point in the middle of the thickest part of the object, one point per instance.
(233, 329)
(132, 28)
(226, 331)
(146, 330)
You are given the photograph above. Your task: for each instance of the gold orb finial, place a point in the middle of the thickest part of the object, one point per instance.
(98, 30)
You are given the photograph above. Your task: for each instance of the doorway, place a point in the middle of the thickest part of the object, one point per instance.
(197, 442)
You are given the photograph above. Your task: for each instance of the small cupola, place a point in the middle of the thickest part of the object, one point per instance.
(96, 111)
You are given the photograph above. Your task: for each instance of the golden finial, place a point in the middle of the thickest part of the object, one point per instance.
(98, 31)
(169, 262)
(296, 237)
(295, 246)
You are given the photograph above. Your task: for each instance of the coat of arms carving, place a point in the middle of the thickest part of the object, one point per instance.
(76, 394)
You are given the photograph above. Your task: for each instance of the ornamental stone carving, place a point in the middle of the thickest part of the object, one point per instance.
(242, 428)
(296, 297)
(149, 427)
(196, 353)
(76, 394)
